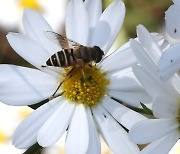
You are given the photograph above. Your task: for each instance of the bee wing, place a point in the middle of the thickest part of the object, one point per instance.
(61, 40)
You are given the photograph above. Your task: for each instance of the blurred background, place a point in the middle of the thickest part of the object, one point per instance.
(148, 13)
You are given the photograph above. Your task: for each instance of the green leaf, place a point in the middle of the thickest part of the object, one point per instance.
(34, 149)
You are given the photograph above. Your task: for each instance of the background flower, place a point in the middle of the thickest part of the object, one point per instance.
(163, 131)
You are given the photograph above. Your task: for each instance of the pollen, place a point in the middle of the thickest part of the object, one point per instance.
(85, 85)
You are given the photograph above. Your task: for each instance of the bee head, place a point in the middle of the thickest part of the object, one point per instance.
(99, 54)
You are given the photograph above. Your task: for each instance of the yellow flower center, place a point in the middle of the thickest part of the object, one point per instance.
(3, 136)
(33, 4)
(86, 86)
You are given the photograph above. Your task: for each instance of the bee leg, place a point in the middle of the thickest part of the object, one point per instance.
(56, 96)
(71, 71)
(69, 75)
(90, 65)
(57, 89)
(83, 74)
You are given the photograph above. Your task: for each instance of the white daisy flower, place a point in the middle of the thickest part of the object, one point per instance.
(172, 20)
(11, 12)
(85, 103)
(163, 131)
(169, 62)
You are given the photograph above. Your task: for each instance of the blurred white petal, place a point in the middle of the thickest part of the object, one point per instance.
(151, 46)
(27, 48)
(147, 131)
(26, 133)
(165, 107)
(143, 58)
(119, 59)
(77, 24)
(25, 85)
(94, 140)
(122, 114)
(162, 145)
(78, 129)
(94, 10)
(132, 98)
(36, 26)
(56, 125)
(114, 135)
(120, 83)
(108, 26)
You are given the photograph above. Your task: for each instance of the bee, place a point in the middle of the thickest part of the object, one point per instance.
(72, 55)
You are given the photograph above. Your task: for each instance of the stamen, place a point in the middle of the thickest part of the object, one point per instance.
(89, 90)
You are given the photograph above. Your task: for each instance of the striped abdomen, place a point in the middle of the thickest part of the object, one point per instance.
(71, 57)
(62, 58)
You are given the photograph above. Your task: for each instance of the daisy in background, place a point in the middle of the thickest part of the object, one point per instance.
(11, 12)
(8, 125)
(169, 62)
(84, 104)
(162, 132)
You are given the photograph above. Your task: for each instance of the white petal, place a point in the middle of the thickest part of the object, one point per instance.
(77, 140)
(172, 21)
(164, 45)
(149, 43)
(147, 131)
(120, 83)
(154, 86)
(108, 27)
(25, 86)
(36, 26)
(169, 62)
(142, 57)
(175, 80)
(119, 59)
(162, 145)
(176, 2)
(114, 135)
(26, 133)
(94, 10)
(77, 27)
(56, 125)
(132, 98)
(122, 114)
(28, 49)
(94, 141)
(162, 42)
(148, 82)
(165, 107)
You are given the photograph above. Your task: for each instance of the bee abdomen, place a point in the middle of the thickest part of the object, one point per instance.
(64, 58)
(57, 59)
